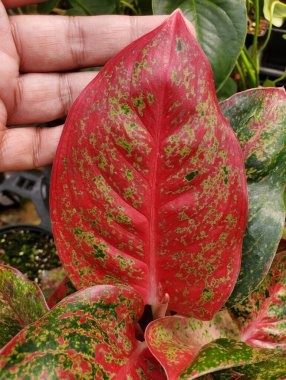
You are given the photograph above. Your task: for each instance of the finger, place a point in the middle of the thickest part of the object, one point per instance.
(7, 47)
(28, 148)
(61, 43)
(41, 98)
(19, 3)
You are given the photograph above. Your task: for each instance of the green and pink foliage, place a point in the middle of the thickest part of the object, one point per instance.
(262, 315)
(188, 348)
(148, 184)
(258, 118)
(21, 303)
(149, 197)
(88, 335)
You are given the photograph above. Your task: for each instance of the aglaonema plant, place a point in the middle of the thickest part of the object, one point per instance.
(149, 207)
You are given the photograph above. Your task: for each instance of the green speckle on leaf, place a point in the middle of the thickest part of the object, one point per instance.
(179, 45)
(129, 174)
(191, 175)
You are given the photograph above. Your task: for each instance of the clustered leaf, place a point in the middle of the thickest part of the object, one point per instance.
(148, 198)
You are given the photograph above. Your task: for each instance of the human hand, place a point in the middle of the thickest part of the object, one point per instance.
(37, 54)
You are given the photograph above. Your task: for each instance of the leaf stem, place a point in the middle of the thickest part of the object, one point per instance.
(241, 74)
(159, 310)
(250, 67)
(283, 76)
(270, 25)
(254, 49)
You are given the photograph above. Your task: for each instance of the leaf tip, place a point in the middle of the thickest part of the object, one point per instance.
(177, 18)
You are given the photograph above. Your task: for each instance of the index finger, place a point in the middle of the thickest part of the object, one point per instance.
(61, 43)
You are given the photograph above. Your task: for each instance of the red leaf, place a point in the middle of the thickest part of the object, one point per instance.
(148, 184)
(64, 289)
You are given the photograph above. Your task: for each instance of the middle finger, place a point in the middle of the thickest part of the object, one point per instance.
(62, 43)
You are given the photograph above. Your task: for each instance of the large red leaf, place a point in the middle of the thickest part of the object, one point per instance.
(148, 182)
(88, 335)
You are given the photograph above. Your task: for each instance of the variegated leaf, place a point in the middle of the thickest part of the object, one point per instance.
(258, 117)
(21, 303)
(271, 369)
(148, 182)
(189, 348)
(176, 341)
(262, 315)
(88, 335)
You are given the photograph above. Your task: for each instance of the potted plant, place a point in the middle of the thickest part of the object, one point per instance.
(154, 197)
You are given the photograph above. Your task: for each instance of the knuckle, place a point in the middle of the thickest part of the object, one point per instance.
(65, 92)
(18, 93)
(3, 138)
(36, 147)
(76, 40)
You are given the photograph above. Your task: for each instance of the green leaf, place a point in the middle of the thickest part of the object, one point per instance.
(271, 369)
(47, 6)
(262, 315)
(76, 11)
(276, 11)
(94, 7)
(258, 118)
(88, 335)
(188, 348)
(145, 7)
(228, 89)
(269, 83)
(21, 303)
(220, 26)
(224, 353)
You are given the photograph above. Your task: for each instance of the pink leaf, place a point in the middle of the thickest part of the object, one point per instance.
(190, 348)
(262, 316)
(148, 184)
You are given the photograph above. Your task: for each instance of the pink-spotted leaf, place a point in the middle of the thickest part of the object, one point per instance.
(21, 303)
(88, 335)
(258, 117)
(148, 182)
(262, 315)
(189, 348)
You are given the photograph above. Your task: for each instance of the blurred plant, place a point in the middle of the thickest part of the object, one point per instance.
(261, 17)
